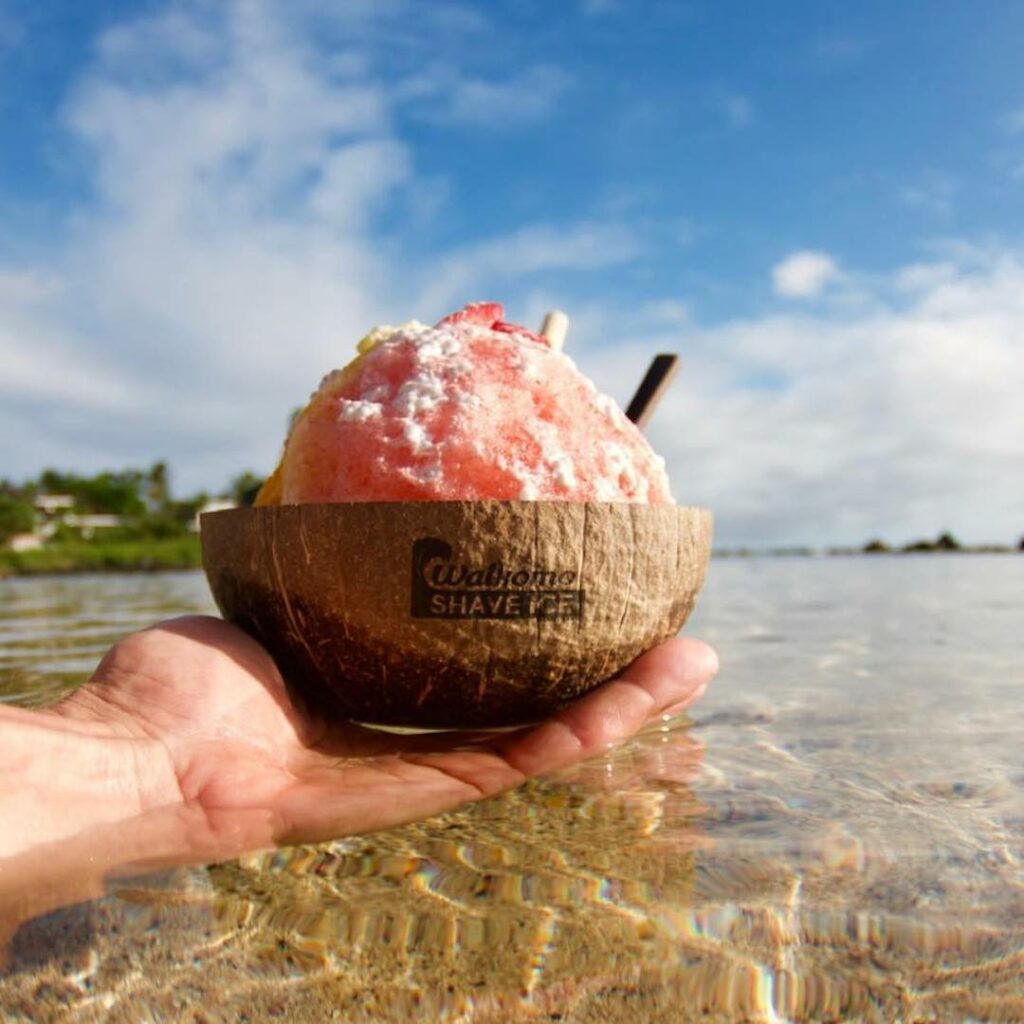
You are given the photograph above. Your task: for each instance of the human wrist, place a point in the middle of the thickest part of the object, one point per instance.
(81, 863)
(63, 771)
(90, 712)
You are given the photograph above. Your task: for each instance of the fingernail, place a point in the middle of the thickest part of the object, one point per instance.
(675, 709)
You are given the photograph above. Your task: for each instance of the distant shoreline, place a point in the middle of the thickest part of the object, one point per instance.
(176, 554)
(167, 554)
(981, 549)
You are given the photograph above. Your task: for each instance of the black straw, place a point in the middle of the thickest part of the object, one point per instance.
(658, 377)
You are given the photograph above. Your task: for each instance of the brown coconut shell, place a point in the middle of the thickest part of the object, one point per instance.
(454, 614)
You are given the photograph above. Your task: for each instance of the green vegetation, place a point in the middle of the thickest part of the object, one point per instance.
(123, 520)
(16, 516)
(126, 520)
(108, 493)
(104, 556)
(876, 547)
(244, 487)
(944, 542)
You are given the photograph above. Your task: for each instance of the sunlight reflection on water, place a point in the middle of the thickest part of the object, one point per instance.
(837, 833)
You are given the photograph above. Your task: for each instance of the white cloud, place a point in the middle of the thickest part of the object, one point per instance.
(803, 274)
(233, 254)
(580, 246)
(493, 265)
(40, 364)
(454, 98)
(352, 179)
(229, 258)
(898, 420)
(527, 97)
(25, 287)
(672, 313)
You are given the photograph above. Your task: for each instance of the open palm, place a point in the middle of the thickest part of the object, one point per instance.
(261, 772)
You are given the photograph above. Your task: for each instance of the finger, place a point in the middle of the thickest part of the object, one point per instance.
(669, 676)
(672, 675)
(422, 775)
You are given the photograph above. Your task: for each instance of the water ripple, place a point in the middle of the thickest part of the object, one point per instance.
(837, 835)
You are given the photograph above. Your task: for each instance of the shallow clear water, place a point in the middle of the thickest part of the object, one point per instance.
(836, 833)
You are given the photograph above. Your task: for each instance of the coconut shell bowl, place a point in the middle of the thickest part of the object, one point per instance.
(454, 614)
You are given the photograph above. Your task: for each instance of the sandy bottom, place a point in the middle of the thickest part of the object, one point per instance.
(598, 897)
(837, 836)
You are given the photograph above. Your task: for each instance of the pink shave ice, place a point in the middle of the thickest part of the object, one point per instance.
(472, 408)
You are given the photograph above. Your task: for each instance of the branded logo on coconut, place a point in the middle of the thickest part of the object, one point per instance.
(443, 587)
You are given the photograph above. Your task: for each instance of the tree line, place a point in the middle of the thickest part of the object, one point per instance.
(140, 498)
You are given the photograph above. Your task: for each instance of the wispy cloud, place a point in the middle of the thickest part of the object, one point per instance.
(209, 252)
(804, 274)
(457, 99)
(535, 248)
(232, 247)
(899, 418)
(20, 288)
(581, 246)
(230, 252)
(934, 193)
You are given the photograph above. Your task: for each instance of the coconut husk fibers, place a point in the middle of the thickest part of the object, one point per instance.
(443, 614)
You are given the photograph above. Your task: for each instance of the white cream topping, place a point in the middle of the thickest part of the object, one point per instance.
(440, 358)
(562, 469)
(357, 411)
(415, 435)
(420, 394)
(385, 332)
(529, 490)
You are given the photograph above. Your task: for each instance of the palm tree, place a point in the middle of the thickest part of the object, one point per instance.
(157, 487)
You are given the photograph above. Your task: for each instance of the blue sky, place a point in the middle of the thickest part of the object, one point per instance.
(820, 206)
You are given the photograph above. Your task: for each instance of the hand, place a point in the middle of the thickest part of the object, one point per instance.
(258, 773)
(184, 748)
